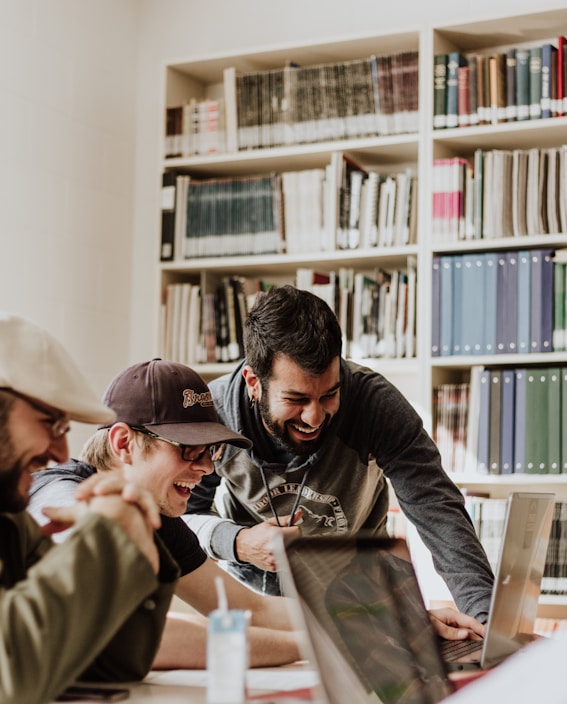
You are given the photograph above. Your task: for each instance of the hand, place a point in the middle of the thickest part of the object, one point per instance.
(454, 625)
(117, 482)
(254, 545)
(128, 516)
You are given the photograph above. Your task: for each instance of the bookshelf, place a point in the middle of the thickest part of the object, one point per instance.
(213, 79)
(391, 153)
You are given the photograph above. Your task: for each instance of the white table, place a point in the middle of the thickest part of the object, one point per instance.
(189, 686)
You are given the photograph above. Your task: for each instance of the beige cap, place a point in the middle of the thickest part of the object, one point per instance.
(35, 364)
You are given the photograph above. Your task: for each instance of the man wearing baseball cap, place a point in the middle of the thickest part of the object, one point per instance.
(164, 436)
(93, 607)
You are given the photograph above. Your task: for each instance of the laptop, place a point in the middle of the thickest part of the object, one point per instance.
(368, 633)
(517, 585)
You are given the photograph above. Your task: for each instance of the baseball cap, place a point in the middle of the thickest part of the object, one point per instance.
(169, 399)
(35, 364)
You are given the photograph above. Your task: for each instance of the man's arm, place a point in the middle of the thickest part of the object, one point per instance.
(272, 642)
(197, 589)
(184, 644)
(94, 595)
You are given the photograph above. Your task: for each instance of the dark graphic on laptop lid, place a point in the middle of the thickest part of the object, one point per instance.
(364, 596)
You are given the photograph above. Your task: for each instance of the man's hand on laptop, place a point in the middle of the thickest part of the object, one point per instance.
(454, 625)
(254, 544)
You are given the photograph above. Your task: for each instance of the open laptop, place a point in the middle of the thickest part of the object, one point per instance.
(517, 584)
(367, 629)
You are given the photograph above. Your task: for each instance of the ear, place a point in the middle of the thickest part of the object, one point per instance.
(121, 439)
(253, 384)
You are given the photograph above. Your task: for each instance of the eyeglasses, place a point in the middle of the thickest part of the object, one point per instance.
(58, 422)
(189, 453)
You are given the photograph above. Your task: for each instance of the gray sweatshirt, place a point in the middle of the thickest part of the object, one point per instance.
(375, 433)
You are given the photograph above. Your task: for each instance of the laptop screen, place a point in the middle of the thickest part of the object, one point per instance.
(363, 594)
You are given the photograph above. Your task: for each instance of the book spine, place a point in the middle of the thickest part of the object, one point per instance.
(463, 97)
(454, 60)
(484, 423)
(473, 89)
(535, 82)
(495, 438)
(522, 84)
(554, 420)
(507, 436)
(436, 307)
(561, 76)
(511, 107)
(546, 80)
(167, 216)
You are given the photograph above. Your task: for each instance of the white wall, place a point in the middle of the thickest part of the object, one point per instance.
(67, 115)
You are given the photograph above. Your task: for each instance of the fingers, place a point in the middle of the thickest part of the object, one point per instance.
(99, 484)
(115, 482)
(454, 625)
(133, 494)
(282, 521)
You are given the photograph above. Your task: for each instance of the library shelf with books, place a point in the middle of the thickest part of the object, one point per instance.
(279, 116)
(490, 218)
(335, 129)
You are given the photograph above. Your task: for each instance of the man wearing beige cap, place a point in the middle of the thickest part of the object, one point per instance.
(165, 435)
(94, 606)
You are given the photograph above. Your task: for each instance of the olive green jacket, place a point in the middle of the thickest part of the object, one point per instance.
(90, 608)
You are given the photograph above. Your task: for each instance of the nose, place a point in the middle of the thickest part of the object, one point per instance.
(204, 465)
(59, 450)
(313, 414)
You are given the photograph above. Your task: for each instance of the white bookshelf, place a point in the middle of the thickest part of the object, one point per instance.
(203, 78)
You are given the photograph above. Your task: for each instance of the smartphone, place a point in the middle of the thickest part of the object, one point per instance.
(93, 694)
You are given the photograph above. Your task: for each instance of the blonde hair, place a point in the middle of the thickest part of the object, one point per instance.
(98, 453)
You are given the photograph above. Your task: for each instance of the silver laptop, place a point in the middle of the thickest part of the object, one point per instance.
(367, 629)
(517, 584)
(368, 633)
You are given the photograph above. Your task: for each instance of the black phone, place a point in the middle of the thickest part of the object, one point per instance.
(89, 693)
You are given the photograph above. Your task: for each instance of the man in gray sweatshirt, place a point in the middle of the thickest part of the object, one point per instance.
(326, 433)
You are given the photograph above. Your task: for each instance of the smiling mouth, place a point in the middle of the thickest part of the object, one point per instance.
(184, 488)
(305, 431)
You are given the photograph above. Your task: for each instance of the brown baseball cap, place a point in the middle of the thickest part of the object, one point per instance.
(171, 400)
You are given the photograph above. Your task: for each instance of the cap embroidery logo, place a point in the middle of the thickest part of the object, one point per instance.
(192, 398)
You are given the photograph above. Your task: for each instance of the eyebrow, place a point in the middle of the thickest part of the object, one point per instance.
(291, 392)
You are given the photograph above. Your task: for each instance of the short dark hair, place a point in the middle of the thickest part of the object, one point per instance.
(294, 323)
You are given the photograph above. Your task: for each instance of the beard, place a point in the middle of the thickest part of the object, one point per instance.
(280, 433)
(11, 498)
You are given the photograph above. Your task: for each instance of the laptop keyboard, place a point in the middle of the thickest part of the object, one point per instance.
(454, 649)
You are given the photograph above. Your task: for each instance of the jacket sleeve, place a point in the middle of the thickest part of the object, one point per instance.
(216, 534)
(89, 607)
(427, 496)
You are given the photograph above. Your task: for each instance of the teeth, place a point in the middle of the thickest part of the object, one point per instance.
(185, 485)
(307, 431)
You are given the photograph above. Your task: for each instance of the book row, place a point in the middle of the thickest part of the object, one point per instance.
(376, 313)
(500, 193)
(498, 303)
(340, 207)
(506, 421)
(199, 328)
(293, 104)
(195, 128)
(488, 516)
(520, 83)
